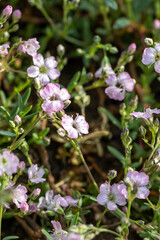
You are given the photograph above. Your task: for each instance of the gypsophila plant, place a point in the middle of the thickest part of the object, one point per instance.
(67, 173)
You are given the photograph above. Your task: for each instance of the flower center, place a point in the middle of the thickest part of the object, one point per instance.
(157, 57)
(4, 161)
(42, 69)
(110, 197)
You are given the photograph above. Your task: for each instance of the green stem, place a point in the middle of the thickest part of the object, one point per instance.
(1, 213)
(76, 146)
(98, 223)
(13, 145)
(129, 209)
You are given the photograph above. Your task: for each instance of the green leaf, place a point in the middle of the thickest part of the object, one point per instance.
(91, 197)
(117, 154)
(5, 111)
(49, 237)
(114, 120)
(11, 237)
(121, 22)
(7, 133)
(20, 102)
(25, 111)
(15, 111)
(73, 82)
(3, 97)
(43, 133)
(140, 5)
(112, 4)
(75, 219)
(30, 115)
(26, 96)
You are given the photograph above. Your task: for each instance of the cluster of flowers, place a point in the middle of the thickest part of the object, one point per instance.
(60, 234)
(118, 193)
(10, 164)
(118, 85)
(44, 71)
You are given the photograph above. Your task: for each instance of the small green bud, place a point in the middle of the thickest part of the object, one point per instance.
(97, 39)
(12, 124)
(148, 41)
(61, 50)
(142, 131)
(112, 174)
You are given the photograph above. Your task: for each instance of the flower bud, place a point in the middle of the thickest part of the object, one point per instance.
(21, 130)
(17, 120)
(148, 41)
(37, 83)
(36, 192)
(66, 104)
(21, 166)
(112, 174)
(24, 207)
(16, 15)
(7, 11)
(97, 39)
(32, 207)
(61, 50)
(61, 132)
(46, 140)
(12, 124)
(156, 24)
(132, 48)
(21, 49)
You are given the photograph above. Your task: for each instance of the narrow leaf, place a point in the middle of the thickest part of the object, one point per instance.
(15, 111)
(30, 115)
(25, 111)
(10, 237)
(73, 82)
(114, 120)
(117, 154)
(121, 23)
(7, 133)
(112, 4)
(49, 237)
(5, 111)
(75, 219)
(26, 96)
(20, 102)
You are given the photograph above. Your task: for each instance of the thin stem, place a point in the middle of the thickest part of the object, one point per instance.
(13, 146)
(1, 212)
(98, 223)
(76, 146)
(129, 209)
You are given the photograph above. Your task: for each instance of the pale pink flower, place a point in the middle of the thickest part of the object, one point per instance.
(31, 46)
(22, 48)
(156, 24)
(107, 69)
(118, 86)
(68, 201)
(110, 196)
(17, 120)
(75, 127)
(24, 207)
(21, 166)
(3, 49)
(17, 14)
(152, 55)
(139, 181)
(7, 11)
(32, 207)
(8, 163)
(36, 192)
(74, 236)
(35, 174)
(54, 97)
(146, 114)
(43, 69)
(59, 233)
(50, 201)
(19, 195)
(132, 48)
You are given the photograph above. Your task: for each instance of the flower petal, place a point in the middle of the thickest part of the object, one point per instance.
(33, 71)
(38, 60)
(149, 55)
